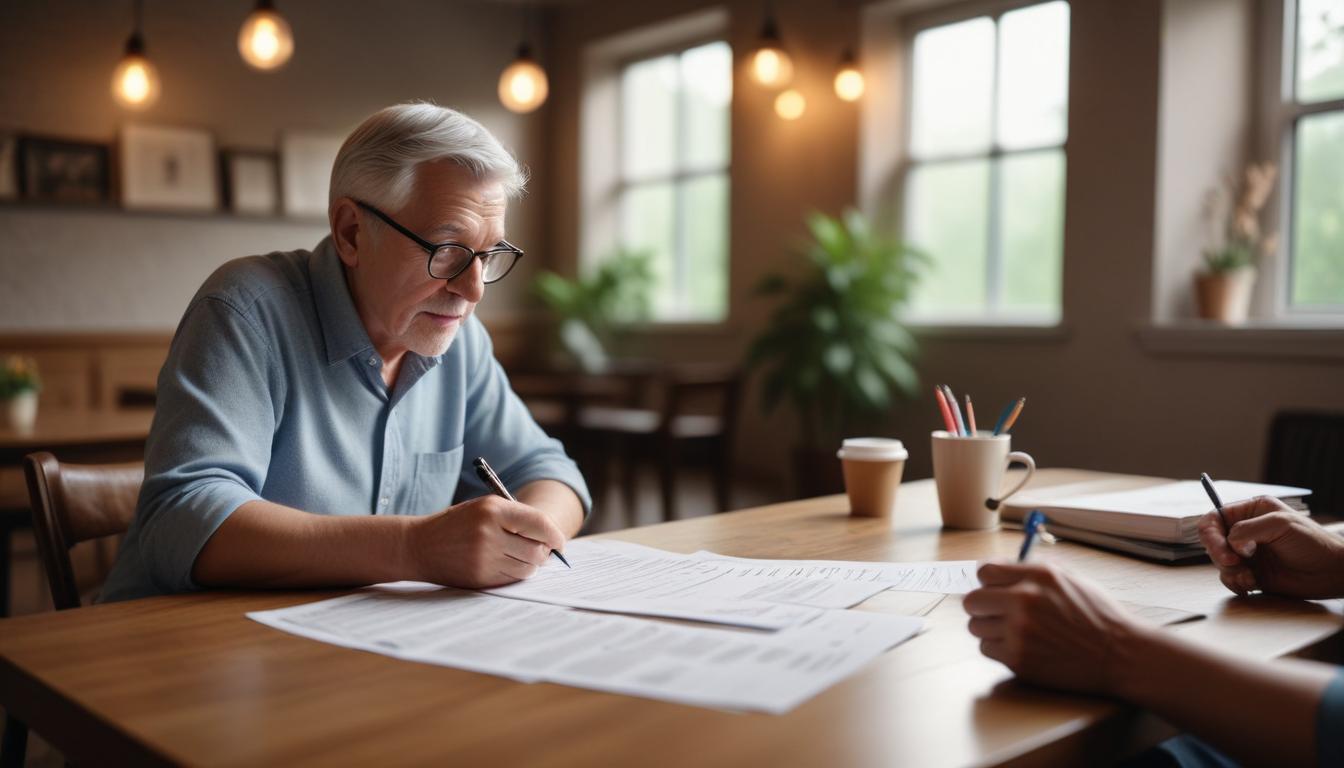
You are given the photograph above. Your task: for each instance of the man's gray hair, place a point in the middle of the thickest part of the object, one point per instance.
(378, 161)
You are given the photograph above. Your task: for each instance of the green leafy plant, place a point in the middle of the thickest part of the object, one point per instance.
(18, 375)
(591, 309)
(835, 347)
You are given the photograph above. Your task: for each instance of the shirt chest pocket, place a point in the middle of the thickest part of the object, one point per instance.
(434, 481)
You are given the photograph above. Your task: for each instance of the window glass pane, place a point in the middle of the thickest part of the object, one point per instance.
(1034, 76)
(705, 234)
(707, 77)
(649, 117)
(953, 78)
(1320, 50)
(648, 221)
(1318, 215)
(1031, 231)
(947, 216)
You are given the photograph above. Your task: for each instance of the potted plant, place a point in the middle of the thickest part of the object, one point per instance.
(835, 347)
(19, 385)
(591, 309)
(1223, 288)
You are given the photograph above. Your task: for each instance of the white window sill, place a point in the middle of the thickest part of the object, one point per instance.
(1301, 341)
(982, 331)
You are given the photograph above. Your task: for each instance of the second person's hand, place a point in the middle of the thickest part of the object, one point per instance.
(1272, 548)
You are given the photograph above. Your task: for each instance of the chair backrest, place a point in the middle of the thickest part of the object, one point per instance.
(1306, 448)
(73, 503)
(687, 383)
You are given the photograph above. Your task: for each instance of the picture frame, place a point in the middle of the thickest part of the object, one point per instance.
(9, 165)
(63, 170)
(251, 180)
(305, 172)
(168, 168)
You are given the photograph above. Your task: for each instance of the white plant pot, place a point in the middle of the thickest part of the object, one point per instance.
(21, 412)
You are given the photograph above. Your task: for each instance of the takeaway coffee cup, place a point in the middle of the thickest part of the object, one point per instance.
(968, 472)
(873, 467)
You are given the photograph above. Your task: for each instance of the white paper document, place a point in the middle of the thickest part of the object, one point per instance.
(699, 665)
(621, 577)
(955, 577)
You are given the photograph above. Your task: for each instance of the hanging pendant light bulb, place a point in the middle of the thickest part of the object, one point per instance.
(770, 65)
(790, 105)
(265, 40)
(135, 81)
(849, 80)
(522, 85)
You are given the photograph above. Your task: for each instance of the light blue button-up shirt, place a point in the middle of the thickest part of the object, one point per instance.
(272, 390)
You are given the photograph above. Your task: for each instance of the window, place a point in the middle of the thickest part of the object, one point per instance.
(1313, 129)
(984, 175)
(672, 185)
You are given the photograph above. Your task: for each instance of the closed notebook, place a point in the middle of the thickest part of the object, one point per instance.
(1166, 512)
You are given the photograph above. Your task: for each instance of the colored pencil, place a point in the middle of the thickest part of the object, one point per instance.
(956, 409)
(970, 416)
(1012, 417)
(947, 414)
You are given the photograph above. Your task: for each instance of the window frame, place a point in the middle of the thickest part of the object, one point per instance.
(679, 175)
(911, 26)
(1283, 113)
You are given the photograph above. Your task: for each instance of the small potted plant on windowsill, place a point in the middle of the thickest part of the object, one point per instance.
(19, 385)
(1223, 288)
(835, 348)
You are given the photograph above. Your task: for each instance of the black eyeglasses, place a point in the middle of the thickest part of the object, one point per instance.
(450, 259)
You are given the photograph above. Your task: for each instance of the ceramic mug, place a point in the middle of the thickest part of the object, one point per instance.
(968, 472)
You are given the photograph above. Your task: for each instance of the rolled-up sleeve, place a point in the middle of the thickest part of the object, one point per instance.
(1330, 723)
(500, 428)
(210, 445)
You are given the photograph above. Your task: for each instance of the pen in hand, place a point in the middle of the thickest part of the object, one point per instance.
(1213, 496)
(1032, 527)
(493, 482)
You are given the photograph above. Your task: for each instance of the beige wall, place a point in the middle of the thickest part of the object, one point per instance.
(1096, 396)
(65, 269)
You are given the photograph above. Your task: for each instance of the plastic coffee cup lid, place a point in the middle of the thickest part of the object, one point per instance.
(872, 449)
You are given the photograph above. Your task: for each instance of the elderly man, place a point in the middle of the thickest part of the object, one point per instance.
(319, 411)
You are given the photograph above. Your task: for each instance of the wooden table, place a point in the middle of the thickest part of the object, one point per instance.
(188, 679)
(83, 435)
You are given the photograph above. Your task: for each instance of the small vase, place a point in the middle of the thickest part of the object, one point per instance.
(21, 411)
(1225, 296)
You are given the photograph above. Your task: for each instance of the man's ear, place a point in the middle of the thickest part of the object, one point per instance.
(347, 232)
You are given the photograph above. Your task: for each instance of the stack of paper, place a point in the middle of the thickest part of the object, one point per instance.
(797, 640)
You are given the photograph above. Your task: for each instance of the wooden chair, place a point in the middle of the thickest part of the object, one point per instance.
(667, 431)
(71, 503)
(1306, 448)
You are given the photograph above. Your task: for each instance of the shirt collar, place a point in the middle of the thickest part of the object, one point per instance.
(342, 330)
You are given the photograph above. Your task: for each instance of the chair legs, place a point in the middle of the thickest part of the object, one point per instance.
(15, 743)
(667, 479)
(723, 479)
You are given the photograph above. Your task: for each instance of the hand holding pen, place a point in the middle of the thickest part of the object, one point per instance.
(492, 481)
(1265, 545)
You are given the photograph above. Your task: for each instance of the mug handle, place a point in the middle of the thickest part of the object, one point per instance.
(1020, 458)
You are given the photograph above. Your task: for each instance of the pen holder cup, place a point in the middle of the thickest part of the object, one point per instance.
(873, 467)
(968, 472)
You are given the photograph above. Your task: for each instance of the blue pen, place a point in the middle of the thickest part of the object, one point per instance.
(1032, 527)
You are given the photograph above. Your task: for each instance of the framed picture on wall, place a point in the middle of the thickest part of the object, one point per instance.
(165, 168)
(63, 171)
(305, 171)
(9, 165)
(251, 181)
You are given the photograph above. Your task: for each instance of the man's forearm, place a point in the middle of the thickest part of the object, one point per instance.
(557, 500)
(1234, 703)
(270, 545)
